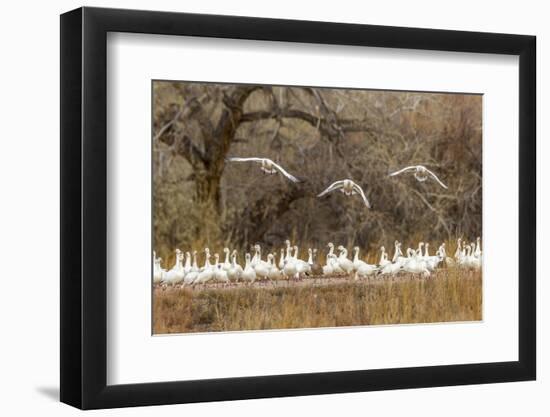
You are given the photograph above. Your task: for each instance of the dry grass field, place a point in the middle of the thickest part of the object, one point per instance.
(448, 295)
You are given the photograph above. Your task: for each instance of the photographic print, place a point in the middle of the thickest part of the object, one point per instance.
(290, 207)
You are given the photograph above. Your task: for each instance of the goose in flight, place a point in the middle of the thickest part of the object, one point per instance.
(348, 187)
(420, 173)
(267, 166)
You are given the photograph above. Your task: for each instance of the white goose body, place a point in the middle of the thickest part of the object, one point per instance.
(235, 272)
(192, 275)
(220, 275)
(274, 272)
(421, 173)
(302, 267)
(343, 262)
(249, 274)
(383, 257)
(207, 272)
(158, 272)
(414, 264)
(349, 188)
(175, 275)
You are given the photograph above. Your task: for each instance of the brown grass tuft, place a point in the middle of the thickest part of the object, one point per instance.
(449, 295)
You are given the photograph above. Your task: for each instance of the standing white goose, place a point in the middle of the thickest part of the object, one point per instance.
(383, 257)
(362, 269)
(414, 264)
(233, 273)
(226, 264)
(207, 272)
(267, 166)
(175, 275)
(260, 266)
(192, 275)
(289, 269)
(282, 259)
(248, 275)
(187, 267)
(431, 261)
(158, 271)
(477, 252)
(333, 260)
(420, 173)
(220, 274)
(348, 187)
(274, 272)
(345, 264)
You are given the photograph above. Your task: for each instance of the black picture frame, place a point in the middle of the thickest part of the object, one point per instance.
(84, 207)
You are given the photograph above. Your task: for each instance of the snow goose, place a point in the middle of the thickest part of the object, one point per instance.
(267, 166)
(207, 272)
(357, 263)
(421, 173)
(226, 264)
(192, 275)
(289, 269)
(431, 261)
(345, 264)
(187, 267)
(391, 269)
(249, 274)
(302, 267)
(158, 271)
(383, 257)
(274, 273)
(477, 252)
(458, 248)
(235, 271)
(175, 275)
(362, 269)
(398, 257)
(415, 265)
(282, 259)
(348, 187)
(220, 274)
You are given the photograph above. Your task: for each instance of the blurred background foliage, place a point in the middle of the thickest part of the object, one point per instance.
(319, 135)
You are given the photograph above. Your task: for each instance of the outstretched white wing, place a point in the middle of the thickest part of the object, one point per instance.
(334, 186)
(412, 167)
(237, 159)
(360, 191)
(435, 178)
(282, 171)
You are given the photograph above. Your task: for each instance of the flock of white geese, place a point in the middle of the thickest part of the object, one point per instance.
(186, 271)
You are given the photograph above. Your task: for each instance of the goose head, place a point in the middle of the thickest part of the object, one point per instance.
(347, 187)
